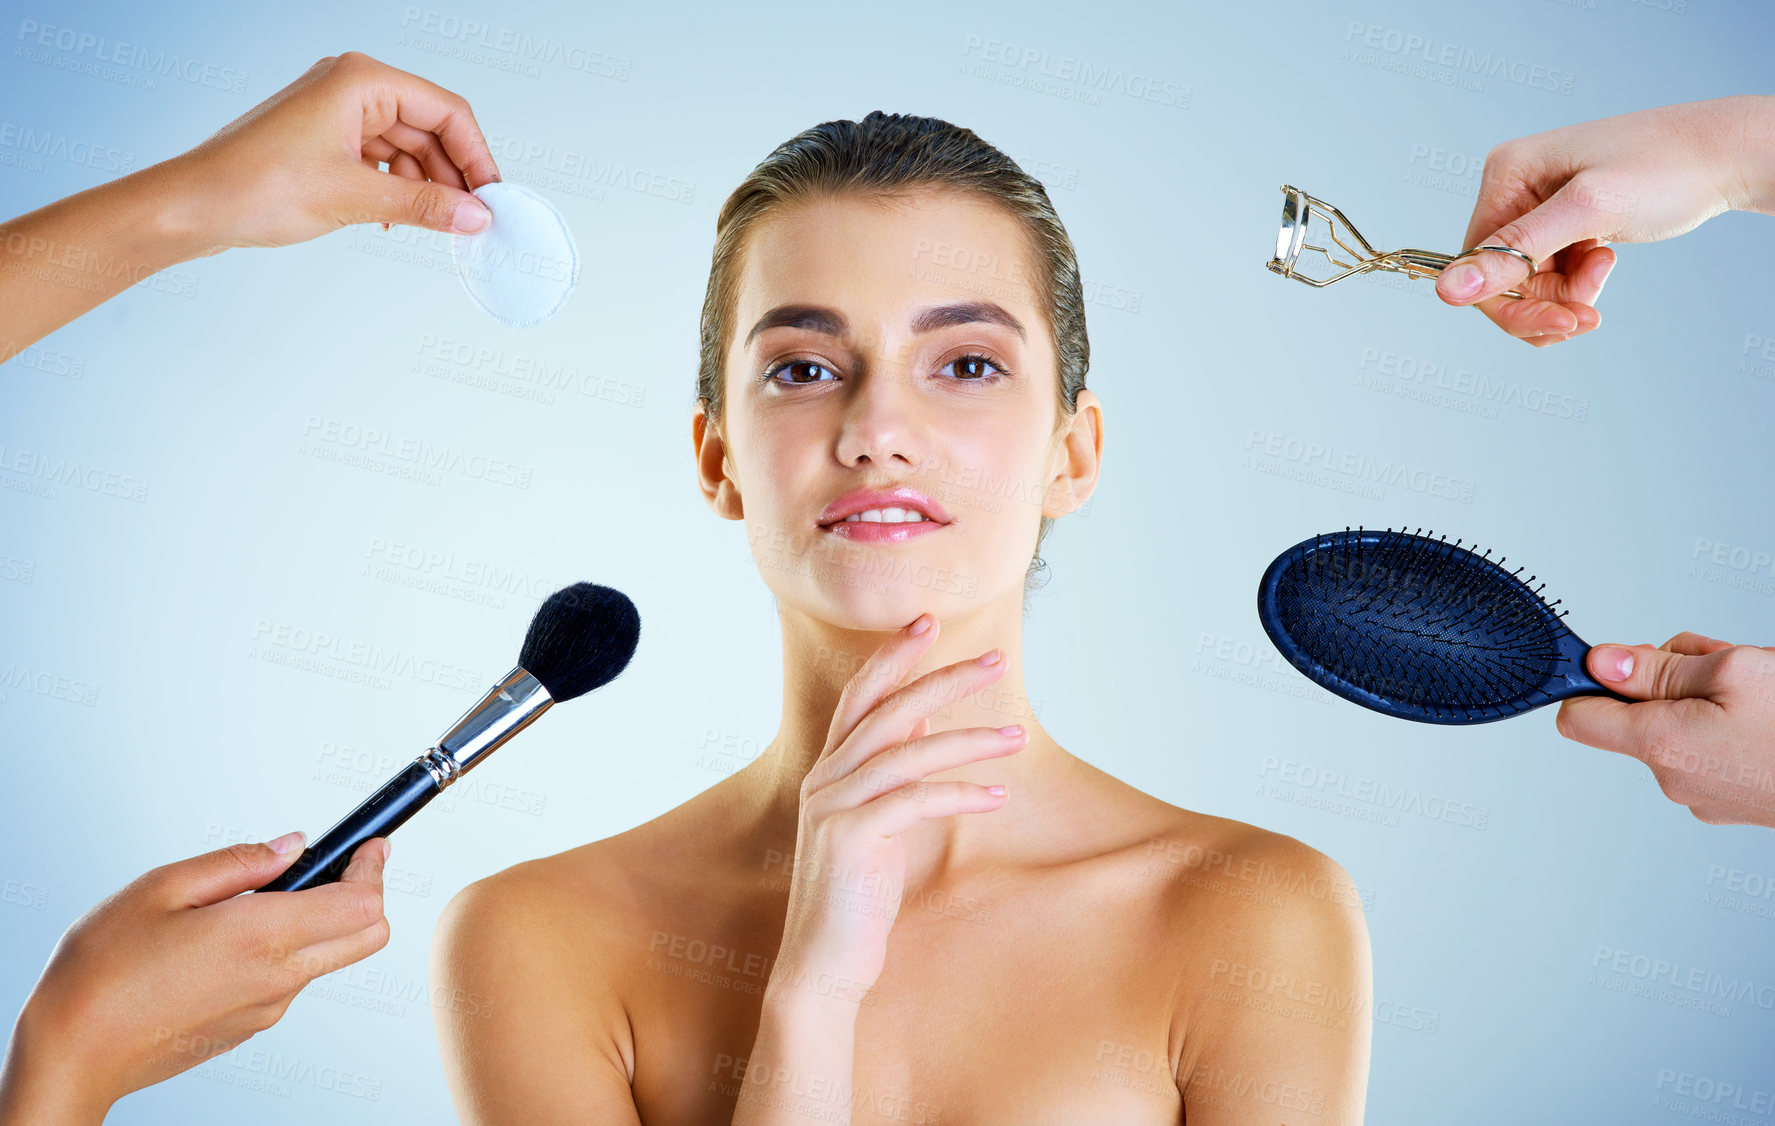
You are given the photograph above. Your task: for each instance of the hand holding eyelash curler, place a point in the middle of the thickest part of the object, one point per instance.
(1298, 209)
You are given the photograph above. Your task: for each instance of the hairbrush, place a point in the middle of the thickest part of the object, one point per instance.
(1420, 628)
(581, 638)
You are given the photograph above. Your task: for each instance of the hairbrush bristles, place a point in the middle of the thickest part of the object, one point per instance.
(1420, 628)
(581, 638)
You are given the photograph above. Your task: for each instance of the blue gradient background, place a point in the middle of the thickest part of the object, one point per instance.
(202, 382)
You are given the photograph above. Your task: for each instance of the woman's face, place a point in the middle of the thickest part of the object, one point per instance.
(882, 345)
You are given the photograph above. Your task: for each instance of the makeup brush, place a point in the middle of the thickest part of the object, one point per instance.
(581, 638)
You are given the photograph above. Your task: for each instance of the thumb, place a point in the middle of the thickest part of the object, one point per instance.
(226, 872)
(387, 198)
(1568, 216)
(1648, 673)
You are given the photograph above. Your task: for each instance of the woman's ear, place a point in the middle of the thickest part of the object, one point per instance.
(718, 488)
(1080, 455)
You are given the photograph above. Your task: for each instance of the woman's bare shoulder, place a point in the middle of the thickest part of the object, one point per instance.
(1202, 853)
(586, 903)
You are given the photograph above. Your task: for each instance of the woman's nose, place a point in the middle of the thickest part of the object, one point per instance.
(883, 418)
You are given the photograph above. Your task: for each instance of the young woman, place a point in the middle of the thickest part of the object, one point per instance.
(915, 906)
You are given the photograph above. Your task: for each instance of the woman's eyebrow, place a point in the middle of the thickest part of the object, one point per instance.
(830, 322)
(966, 312)
(814, 318)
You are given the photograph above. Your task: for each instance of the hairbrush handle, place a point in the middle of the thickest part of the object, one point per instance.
(384, 811)
(1576, 680)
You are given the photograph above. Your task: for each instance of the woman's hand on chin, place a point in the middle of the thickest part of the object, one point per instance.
(867, 787)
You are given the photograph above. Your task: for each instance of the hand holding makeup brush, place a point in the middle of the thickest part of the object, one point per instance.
(179, 967)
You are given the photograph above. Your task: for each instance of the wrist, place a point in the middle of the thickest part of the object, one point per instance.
(807, 998)
(180, 218)
(1754, 163)
(40, 1086)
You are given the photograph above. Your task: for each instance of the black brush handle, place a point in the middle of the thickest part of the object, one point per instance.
(384, 811)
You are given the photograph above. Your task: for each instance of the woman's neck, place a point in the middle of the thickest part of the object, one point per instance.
(818, 661)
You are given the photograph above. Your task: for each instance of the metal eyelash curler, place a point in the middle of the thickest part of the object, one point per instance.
(1298, 208)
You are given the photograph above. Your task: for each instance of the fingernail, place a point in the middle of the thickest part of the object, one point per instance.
(1613, 663)
(1461, 281)
(996, 791)
(470, 216)
(1603, 277)
(990, 658)
(287, 843)
(920, 624)
(1012, 731)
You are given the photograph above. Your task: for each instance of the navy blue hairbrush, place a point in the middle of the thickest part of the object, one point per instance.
(1420, 628)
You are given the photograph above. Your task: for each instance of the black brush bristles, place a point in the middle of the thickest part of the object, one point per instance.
(581, 638)
(1420, 628)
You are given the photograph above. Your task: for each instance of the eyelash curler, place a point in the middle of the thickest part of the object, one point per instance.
(1298, 210)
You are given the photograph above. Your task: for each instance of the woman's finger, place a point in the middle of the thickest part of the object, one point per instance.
(898, 810)
(336, 953)
(403, 165)
(1528, 316)
(880, 675)
(892, 719)
(426, 152)
(397, 96)
(1694, 644)
(917, 759)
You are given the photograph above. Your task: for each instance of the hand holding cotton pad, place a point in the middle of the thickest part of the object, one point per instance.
(520, 267)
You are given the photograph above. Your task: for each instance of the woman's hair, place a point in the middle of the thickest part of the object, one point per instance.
(885, 155)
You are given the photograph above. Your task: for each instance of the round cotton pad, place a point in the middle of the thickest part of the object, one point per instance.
(520, 267)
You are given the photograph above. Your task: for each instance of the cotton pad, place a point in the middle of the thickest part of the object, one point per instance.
(521, 266)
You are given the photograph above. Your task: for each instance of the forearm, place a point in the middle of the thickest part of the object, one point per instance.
(800, 1069)
(32, 1093)
(67, 257)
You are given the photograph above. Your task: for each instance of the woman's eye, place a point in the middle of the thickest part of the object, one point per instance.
(974, 369)
(800, 371)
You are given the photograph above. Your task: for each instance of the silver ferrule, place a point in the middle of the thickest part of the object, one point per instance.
(506, 709)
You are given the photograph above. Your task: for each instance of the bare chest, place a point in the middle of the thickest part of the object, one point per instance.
(986, 1013)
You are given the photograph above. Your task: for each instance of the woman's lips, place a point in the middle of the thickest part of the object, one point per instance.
(869, 531)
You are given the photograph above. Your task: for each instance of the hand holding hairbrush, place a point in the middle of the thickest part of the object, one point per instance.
(1420, 628)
